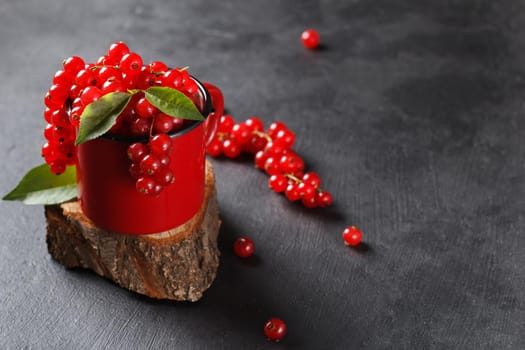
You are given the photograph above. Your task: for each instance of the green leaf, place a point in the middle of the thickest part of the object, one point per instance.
(173, 102)
(100, 116)
(41, 186)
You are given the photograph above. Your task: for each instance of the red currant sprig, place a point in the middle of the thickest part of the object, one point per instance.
(273, 154)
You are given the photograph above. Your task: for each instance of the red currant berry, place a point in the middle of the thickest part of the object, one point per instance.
(243, 247)
(214, 149)
(310, 38)
(86, 77)
(160, 144)
(306, 190)
(73, 65)
(150, 164)
(254, 124)
(241, 133)
(158, 67)
(117, 50)
(162, 124)
(172, 78)
(231, 149)
(290, 163)
(278, 182)
(108, 73)
(74, 115)
(63, 77)
(165, 160)
(312, 179)
(260, 159)
(145, 185)
(226, 124)
(90, 94)
(75, 91)
(275, 329)
(309, 202)
(56, 96)
(271, 166)
(256, 144)
(140, 126)
(292, 192)
(324, 199)
(144, 109)
(285, 138)
(274, 128)
(164, 176)
(130, 63)
(59, 117)
(352, 236)
(135, 171)
(137, 151)
(57, 167)
(113, 86)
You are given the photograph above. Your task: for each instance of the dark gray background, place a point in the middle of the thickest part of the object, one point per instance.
(412, 114)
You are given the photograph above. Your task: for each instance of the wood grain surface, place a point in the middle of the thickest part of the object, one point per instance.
(412, 113)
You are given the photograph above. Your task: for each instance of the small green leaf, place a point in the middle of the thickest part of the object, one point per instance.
(173, 103)
(98, 117)
(41, 186)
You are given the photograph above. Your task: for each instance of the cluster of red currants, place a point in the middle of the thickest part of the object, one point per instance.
(79, 83)
(273, 154)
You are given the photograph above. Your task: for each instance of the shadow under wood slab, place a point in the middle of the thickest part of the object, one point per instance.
(178, 264)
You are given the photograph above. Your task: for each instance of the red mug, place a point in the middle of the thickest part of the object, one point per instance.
(107, 191)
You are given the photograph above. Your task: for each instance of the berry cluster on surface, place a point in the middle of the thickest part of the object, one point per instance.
(78, 84)
(273, 153)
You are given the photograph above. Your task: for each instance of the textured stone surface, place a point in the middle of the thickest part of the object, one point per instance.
(178, 264)
(412, 114)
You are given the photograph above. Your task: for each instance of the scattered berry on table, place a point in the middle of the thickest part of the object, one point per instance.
(310, 38)
(243, 247)
(275, 329)
(352, 236)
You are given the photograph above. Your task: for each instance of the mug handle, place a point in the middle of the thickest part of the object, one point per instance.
(217, 102)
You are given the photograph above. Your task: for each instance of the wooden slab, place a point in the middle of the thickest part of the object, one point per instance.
(179, 264)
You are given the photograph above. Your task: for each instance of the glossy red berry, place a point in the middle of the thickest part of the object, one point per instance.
(274, 128)
(158, 67)
(310, 38)
(150, 164)
(117, 50)
(241, 133)
(160, 144)
(145, 185)
(285, 138)
(163, 123)
(73, 65)
(214, 149)
(352, 236)
(226, 123)
(254, 124)
(144, 109)
(130, 63)
(137, 151)
(164, 176)
(243, 247)
(306, 190)
(278, 182)
(324, 199)
(90, 94)
(275, 329)
(312, 179)
(292, 192)
(231, 149)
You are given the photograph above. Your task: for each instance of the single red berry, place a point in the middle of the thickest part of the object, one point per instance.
(130, 63)
(57, 95)
(310, 38)
(172, 78)
(108, 73)
(243, 247)
(90, 94)
(73, 65)
(145, 185)
(285, 138)
(256, 144)
(254, 124)
(59, 117)
(324, 199)
(160, 144)
(85, 77)
(63, 77)
(306, 190)
(150, 164)
(312, 179)
(271, 166)
(292, 192)
(163, 123)
(231, 149)
(117, 50)
(74, 115)
(241, 133)
(309, 202)
(164, 176)
(352, 236)
(278, 182)
(158, 67)
(260, 159)
(291, 163)
(57, 167)
(214, 149)
(137, 151)
(113, 86)
(275, 329)
(140, 126)
(145, 109)
(74, 91)
(274, 128)
(226, 124)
